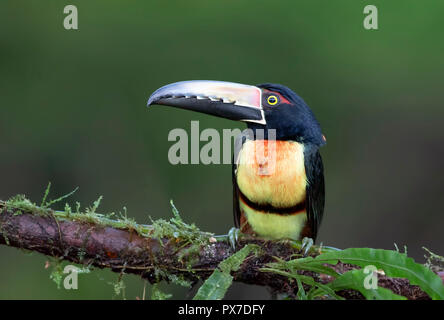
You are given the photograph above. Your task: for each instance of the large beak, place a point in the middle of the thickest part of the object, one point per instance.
(228, 100)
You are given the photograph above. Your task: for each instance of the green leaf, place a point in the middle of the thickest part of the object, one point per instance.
(394, 264)
(301, 295)
(157, 294)
(308, 264)
(215, 287)
(234, 262)
(324, 289)
(355, 280)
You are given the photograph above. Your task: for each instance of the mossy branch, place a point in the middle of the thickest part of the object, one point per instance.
(164, 250)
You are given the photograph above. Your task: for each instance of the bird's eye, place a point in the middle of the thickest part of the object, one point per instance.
(272, 100)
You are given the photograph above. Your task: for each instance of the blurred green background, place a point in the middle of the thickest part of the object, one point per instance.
(72, 111)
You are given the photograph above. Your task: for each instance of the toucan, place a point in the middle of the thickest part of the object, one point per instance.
(278, 175)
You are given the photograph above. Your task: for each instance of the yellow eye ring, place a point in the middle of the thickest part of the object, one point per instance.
(272, 100)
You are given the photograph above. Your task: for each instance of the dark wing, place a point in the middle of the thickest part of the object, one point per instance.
(236, 209)
(240, 140)
(314, 170)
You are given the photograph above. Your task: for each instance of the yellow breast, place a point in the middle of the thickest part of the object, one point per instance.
(272, 172)
(274, 226)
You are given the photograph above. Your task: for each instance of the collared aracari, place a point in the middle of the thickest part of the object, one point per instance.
(286, 202)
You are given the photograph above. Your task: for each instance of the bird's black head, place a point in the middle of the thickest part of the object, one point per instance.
(266, 106)
(289, 115)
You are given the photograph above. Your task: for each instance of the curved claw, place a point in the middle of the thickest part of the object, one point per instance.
(307, 243)
(233, 236)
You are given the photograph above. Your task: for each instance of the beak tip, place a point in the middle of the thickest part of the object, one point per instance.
(151, 101)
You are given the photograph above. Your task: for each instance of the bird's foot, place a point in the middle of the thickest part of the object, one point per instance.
(307, 243)
(304, 245)
(233, 236)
